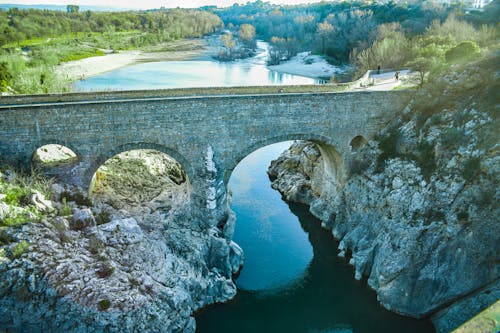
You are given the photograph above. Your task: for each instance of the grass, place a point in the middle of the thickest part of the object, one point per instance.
(19, 249)
(65, 208)
(104, 304)
(81, 54)
(14, 220)
(17, 196)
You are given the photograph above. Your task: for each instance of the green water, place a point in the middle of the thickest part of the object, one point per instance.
(293, 280)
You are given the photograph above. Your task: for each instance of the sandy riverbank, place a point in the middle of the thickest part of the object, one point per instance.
(179, 50)
(314, 66)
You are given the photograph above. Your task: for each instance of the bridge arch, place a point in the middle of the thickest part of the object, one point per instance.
(103, 157)
(57, 150)
(333, 161)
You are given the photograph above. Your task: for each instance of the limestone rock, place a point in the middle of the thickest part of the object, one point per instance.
(122, 231)
(422, 223)
(82, 218)
(41, 203)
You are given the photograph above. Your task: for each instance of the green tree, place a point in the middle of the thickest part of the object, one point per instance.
(423, 66)
(5, 76)
(72, 8)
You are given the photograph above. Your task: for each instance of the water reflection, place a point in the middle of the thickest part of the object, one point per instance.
(263, 219)
(314, 292)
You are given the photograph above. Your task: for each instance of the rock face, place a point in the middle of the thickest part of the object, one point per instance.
(136, 265)
(418, 213)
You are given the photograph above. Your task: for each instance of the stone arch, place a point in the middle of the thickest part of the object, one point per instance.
(102, 158)
(357, 142)
(47, 142)
(333, 161)
(64, 156)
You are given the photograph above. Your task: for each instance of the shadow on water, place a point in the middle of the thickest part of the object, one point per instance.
(326, 299)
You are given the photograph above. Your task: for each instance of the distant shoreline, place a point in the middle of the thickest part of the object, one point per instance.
(84, 68)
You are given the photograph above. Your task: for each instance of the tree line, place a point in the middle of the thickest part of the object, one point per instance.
(342, 30)
(17, 25)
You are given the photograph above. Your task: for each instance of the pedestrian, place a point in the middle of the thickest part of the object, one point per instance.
(378, 69)
(396, 75)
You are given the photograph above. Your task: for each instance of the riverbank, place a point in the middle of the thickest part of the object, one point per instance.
(314, 66)
(172, 51)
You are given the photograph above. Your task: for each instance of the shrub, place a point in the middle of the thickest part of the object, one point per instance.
(471, 168)
(19, 249)
(452, 137)
(17, 196)
(105, 270)
(388, 145)
(463, 52)
(79, 198)
(104, 304)
(102, 218)
(13, 220)
(95, 244)
(5, 76)
(426, 159)
(358, 166)
(65, 208)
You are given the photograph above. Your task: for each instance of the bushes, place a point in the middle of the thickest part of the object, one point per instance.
(17, 196)
(388, 146)
(425, 159)
(5, 76)
(463, 52)
(104, 304)
(19, 249)
(471, 168)
(452, 137)
(13, 220)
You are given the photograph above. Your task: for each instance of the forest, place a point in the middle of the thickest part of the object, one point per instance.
(419, 35)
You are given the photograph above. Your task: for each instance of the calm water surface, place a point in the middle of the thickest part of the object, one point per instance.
(292, 280)
(190, 73)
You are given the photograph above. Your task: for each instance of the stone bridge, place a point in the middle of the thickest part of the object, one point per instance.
(209, 135)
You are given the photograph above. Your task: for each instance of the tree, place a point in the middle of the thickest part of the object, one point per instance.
(324, 30)
(228, 42)
(246, 34)
(423, 66)
(5, 76)
(72, 8)
(390, 50)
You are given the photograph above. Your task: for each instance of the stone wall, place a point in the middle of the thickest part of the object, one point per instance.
(187, 128)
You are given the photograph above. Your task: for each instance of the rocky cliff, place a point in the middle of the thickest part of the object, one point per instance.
(417, 214)
(129, 260)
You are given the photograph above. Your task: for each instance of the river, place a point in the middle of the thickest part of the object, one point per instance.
(193, 73)
(292, 281)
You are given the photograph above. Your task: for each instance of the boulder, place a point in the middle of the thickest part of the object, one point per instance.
(82, 218)
(121, 231)
(41, 204)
